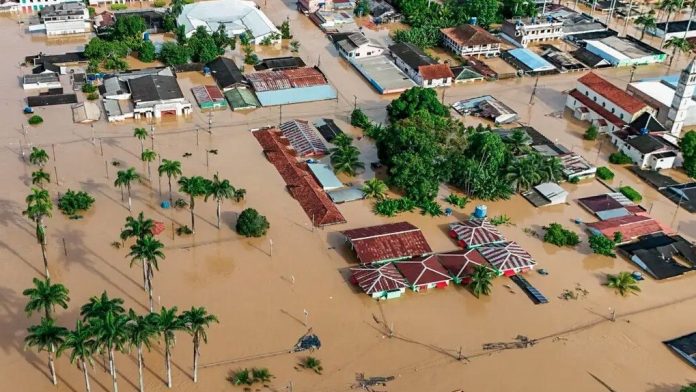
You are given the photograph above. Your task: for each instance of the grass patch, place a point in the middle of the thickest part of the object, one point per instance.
(631, 194)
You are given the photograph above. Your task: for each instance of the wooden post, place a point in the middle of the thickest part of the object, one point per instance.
(65, 248)
(101, 147)
(106, 168)
(53, 146)
(270, 243)
(172, 226)
(55, 170)
(21, 150)
(196, 136)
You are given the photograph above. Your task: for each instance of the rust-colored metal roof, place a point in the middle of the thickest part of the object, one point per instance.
(387, 242)
(461, 263)
(300, 182)
(421, 271)
(379, 279)
(285, 79)
(435, 71)
(304, 77)
(630, 226)
(614, 94)
(470, 35)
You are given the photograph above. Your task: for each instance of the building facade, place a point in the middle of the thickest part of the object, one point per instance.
(423, 70)
(532, 30)
(63, 19)
(679, 109)
(356, 45)
(470, 40)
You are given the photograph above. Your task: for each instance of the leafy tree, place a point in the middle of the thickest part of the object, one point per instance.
(512, 8)
(312, 363)
(252, 224)
(261, 375)
(688, 388)
(140, 330)
(687, 144)
(147, 250)
(359, 119)
(88, 88)
(346, 159)
(39, 206)
(362, 8)
(602, 245)
(220, 190)
(604, 173)
(285, 29)
(110, 334)
(249, 56)
(241, 377)
(518, 143)
(128, 27)
(560, 236)
(591, 133)
(173, 53)
(203, 47)
(620, 158)
(413, 100)
(375, 188)
(168, 322)
(678, 44)
(458, 201)
(148, 156)
(222, 40)
(40, 177)
(631, 194)
(72, 202)
(38, 157)
(147, 52)
(196, 322)
(245, 38)
(481, 281)
(524, 173)
(195, 186)
(46, 337)
(485, 10)
(124, 178)
(45, 296)
(82, 345)
(648, 21)
(551, 169)
(139, 227)
(98, 307)
(623, 282)
(141, 135)
(170, 169)
(115, 64)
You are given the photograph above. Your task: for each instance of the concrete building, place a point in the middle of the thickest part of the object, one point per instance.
(41, 81)
(601, 103)
(155, 95)
(356, 45)
(524, 31)
(238, 16)
(661, 94)
(679, 108)
(63, 19)
(624, 51)
(38, 5)
(423, 70)
(648, 151)
(470, 40)
(676, 29)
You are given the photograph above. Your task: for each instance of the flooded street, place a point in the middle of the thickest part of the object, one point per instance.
(260, 291)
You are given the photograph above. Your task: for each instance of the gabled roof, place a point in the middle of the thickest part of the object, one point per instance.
(303, 138)
(421, 271)
(476, 232)
(154, 88)
(470, 35)
(435, 71)
(655, 255)
(225, 72)
(597, 108)
(378, 279)
(630, 226)
(646, 143)
(647, 122)
(387, 242)
(507, 256)
(411, 55)
(461, 263)
(277, 63)
(685, 346)
(612, 93)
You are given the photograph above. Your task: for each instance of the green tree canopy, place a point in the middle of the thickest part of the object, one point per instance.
(128, 27)
(687, 144)
(252, 224)
(414, 100)
(173, 53)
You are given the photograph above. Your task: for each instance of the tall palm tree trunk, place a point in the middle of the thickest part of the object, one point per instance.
(142, 147)
(171, 202)
(144, 276)
(45, 259)
(664, 37)
(41, 237)
(168, 362)
(688, 24)
(642, 33)
(196, 355)
(121, 189)
(84, 370)
(129, 197)
(112, 366)
(219, 205)
(149, 286)
(193, 218)
(149, 173)
(140, 368)
(52, 365)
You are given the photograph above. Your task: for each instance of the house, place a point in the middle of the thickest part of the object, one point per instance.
(334, 21)
(28, 6)
(624, 51)
(118, 110)
(290, 86)
(630, 227)
(63, 19)
(325, 176)
(508, 258)
(488, 107)
(66, 63)
(524, 31)
(604, 105)
(463, 74)
(685, 347)
(576, 166)
(209, 97)
(528, 62)
(474, 233)
(356, 45)
(226, 73)
(574, 23)
(344, 195)
(241, 98)
(379, 282)
(388, 242)
(590, 59)
(423, 70)
(660, 94)
(114, 88)
(610, 205)
(563, 61)
(51, 98)
(155, 95)
(41, 81)
(303, 138)
(279, 63)
(648, 151)
(153, 17)
(328, 128)
(677, 28)
(546, 194)
(424, 273)
(86, 112)
(470, 40)
(661, 256)
(461, 264)
(238, 16)
(382, 74)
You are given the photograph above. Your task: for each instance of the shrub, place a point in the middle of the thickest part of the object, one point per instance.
(430, 207)
(560, 236)
(92, 11)
(92, 96)
(118, 7)
(72, 202)
(458, 201)
(688, 388)
(602, 245)
(159, 3)
(619, 158)
(313, 364)
(241, 377)
(574, 180)
(604, 173)
(500, 220)
(591, 133)
(183, 230)
(252, 224)
(88, 88)
(35, 120)
(631, 194)
(391, 207)
(359, 119)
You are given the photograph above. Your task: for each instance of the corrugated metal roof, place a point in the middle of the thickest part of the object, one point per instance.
(374, 280)
(422, 271)
(507, 256)
(346, 194)
(303, 139)
(475, 232)
(326, 177)
(296, 95)
(531, 60)
(387, 242)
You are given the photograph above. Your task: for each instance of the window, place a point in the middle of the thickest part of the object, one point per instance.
(604, 104)
(587, 93)
(594, 98)
(613, 110)
(621, 116)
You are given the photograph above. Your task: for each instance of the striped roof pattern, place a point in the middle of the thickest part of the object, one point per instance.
(476, 232)
(423, 271)
(507, 256)
(304, 140)
(461, 263)
(378, 279)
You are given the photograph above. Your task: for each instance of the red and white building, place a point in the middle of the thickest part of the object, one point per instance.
(508, 258)
(601, 103)
(423, 273)
(474, 233)
(461, 264)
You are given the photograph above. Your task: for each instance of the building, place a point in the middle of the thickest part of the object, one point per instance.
(685, 347)
(66, 63)
(153, 17)
(525, 31)
(279, 63)
(604, 105)
(660, 94)
(461, 264)
(423, 70)
(624, 51)
(356, 45)
(379, 282)
(155, 95)
(41, 81)
(325, 176)
(574, 22)
(474, 233)
(37, 5)
(470, 40)
(590, 59)
(209, 97)
(610, 205)
(464, 74)
(508, 258)
(238, 16)
(648, 151)
(328, 128)
(289, 86)
(563, 61)
(680, 107)
(226, 73)
(546, 194)
(388, 242)
(424, 273)
(86, 112)
(488, 107)
(528, 62)
(382, 74)
(630, 227)
(303, 138)
(677, 29)
(659, 255)
(63, 19)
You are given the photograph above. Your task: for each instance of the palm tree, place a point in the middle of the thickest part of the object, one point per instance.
(523, 174)
(148, 250)
(624, 283)
(148, 156)
(45, 296)
(194, 187)
(137, 227)
(141, 134)
(680, 44)
(170, 169)
(46, 336)
(239, 194)
(220, 190)
(110, 334)
(481, 281)
(648, 21)
(196, 321)
(669, 6)
(97, 307)
(342, 140)
(518, 142)
(39, 206)
(375, 188)
(346, 159)
(551, 169)
(40, 177)
(168, 322)
(124, 178)
(140, 331)
(81, 344)
(38, 156)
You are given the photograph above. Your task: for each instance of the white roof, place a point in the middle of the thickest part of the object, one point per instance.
(236, 15)
(552, 191)
(607, 49)
(658, 91)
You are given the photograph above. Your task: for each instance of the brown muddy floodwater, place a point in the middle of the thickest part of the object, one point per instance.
(260, 295)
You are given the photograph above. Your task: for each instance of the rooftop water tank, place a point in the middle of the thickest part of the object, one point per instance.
(480, 211)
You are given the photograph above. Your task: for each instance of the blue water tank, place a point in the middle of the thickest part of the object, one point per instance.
(165, 204)
(146, 36)
(644, 131)
(480, 211)
(473, 20)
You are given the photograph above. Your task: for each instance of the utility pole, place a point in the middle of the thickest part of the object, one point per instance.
(152, 137)
(210, 122)
(676, 210)
(280, 118)
(355, 102)
(442, 98)
(633, 71)
(628, 16)
(93, 141)
(196, 136)
(536, 83)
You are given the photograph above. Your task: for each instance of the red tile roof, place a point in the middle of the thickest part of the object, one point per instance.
(387, 242)
(597, 108)
(470, 35)
(507, 256)
(630, 226)
(422, 271)
(378, 279)
(614, 94)
(300, 182)
(435, 71)
(475, 232)
(461, 263)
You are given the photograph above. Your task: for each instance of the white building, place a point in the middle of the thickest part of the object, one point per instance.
(423, 70)
(470, 40)
(648, 151)
(356, 45)
(155, 95)
(677, 28)
(38, 5)
(63, 19)
(680, 106)
(624, 51)
(524, 31)
(41, 81)
(238, 16)
(601, 103)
